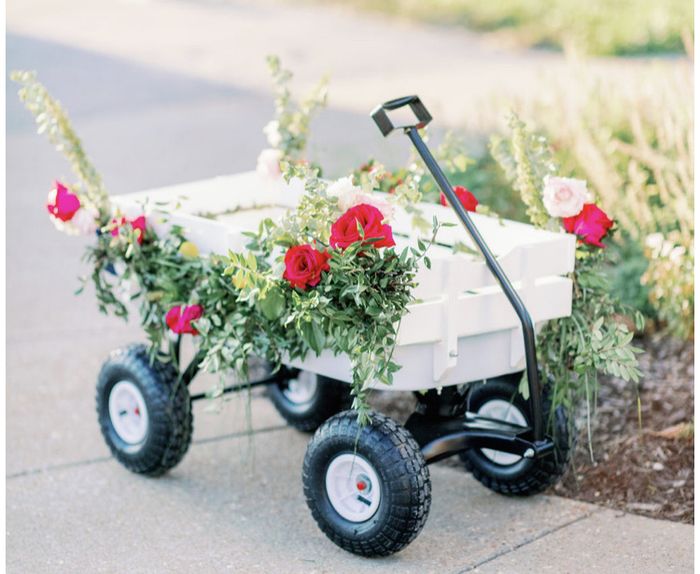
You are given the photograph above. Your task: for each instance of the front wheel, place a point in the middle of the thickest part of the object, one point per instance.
(144, 412)
(508, 473)
(367, 487)
(306, 400)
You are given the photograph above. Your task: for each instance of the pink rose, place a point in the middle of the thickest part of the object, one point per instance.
(269, 164)
(179, 319)
(138, 224)
(591, 225)
(62, 203)
(564, 196)
(304, 265)
(466, 198)
(344, 231)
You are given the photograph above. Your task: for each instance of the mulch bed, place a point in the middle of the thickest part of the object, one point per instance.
(645, 470)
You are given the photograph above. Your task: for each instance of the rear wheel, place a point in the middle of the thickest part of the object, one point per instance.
(368, 487)
(143, 411)
(306, 400)
(508, 473)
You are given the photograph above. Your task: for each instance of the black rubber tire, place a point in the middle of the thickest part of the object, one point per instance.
(330, 398)
(402, 471)
(526, 476)
(169, 411)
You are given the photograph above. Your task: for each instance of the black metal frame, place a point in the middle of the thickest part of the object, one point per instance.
(192, 369)
(446, 438)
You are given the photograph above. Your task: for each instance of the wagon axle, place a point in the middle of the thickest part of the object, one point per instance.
(442, 437)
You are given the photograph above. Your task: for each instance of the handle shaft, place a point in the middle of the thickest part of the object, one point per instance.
(494, 266)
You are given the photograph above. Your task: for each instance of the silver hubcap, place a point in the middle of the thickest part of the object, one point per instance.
(128, 412)
(301, 389)
(353, 487)
(502, 410)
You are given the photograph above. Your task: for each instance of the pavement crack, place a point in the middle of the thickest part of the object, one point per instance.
(100, 459)
(527, 541)
(62, 466)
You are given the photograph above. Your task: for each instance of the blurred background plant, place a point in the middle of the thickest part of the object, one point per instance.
(634, 144)
(595, 27)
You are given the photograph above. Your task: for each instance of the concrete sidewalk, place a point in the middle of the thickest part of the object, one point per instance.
(227, 508)
(144, 122)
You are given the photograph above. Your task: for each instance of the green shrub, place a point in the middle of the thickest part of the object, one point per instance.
(596, 27)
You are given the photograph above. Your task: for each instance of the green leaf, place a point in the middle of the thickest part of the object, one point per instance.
(273, 304)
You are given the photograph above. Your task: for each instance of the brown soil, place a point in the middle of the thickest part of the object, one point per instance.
(644, 470)
(647, 470)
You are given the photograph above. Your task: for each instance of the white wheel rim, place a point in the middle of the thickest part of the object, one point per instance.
(302, 388)
(353, 487)
(502, 410)
(128, 412)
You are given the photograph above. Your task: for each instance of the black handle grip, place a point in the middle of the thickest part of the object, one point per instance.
(385, 125)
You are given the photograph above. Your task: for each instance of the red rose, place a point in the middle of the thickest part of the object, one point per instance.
(466, 198)
(62, 203)
(303, 266)
(591, 225)
(344, 231)
(179, 319)
(138, 224)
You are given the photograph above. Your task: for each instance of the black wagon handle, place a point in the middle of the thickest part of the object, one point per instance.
(385, 125)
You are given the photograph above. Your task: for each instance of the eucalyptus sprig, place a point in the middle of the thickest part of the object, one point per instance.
(52, 120)
(289, 131)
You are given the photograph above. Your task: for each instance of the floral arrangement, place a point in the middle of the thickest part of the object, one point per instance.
(306, 285)
(329, 275)
(287, 134)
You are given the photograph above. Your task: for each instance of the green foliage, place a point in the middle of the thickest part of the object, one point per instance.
(52, 120)
(290, 130)
(356, 308)
(153, 274)
(412, 184)
(626, 268)
(596, 27)
(573, 350)
(526, 160)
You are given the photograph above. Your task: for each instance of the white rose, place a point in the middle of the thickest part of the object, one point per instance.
(272, 131)
(349, 200)
(85, 221)
(349, 195)
(564, 196)
(342, 186)
(269, 164)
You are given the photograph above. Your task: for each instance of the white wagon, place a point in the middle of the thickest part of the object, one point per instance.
(464, 344)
